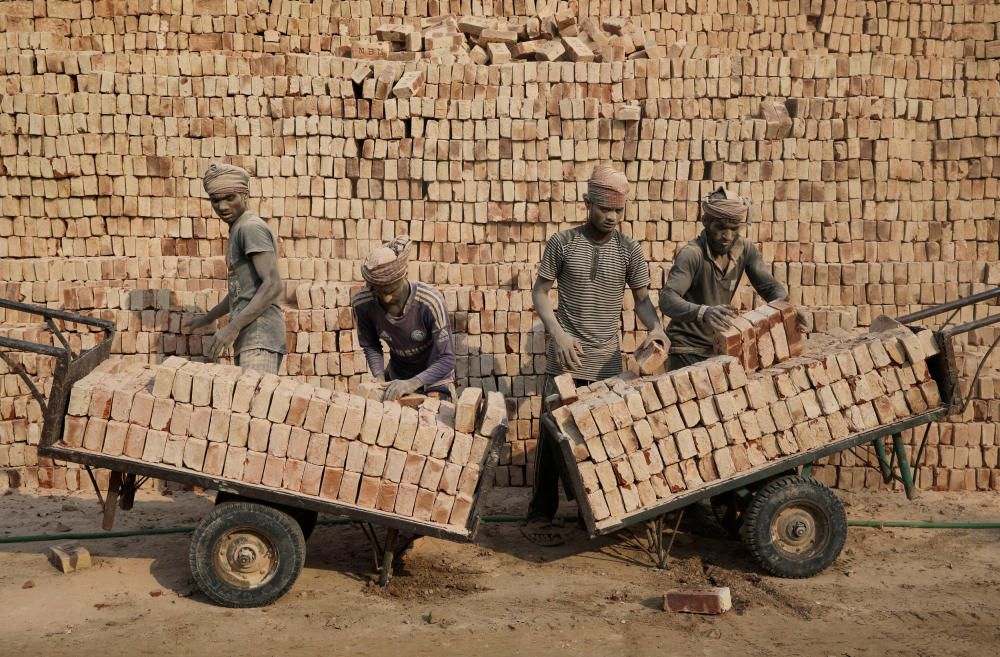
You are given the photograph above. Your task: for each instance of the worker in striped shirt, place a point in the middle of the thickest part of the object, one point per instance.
(593, 264)
(411, 318)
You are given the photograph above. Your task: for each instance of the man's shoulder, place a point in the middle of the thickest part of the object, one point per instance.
(628, 242)
(250, 219)
(746, 244)
(564, 237)
(364, 297)
(692, 252)
(429, 296)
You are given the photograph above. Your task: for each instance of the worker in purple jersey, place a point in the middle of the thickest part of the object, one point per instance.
(411, 318)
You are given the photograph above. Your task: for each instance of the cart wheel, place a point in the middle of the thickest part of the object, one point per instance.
(795, 527)
(245, 554)
(305, 517)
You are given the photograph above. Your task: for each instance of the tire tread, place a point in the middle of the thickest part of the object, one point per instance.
(759, 512)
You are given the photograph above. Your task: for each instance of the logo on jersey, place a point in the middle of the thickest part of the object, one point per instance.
(418, 335)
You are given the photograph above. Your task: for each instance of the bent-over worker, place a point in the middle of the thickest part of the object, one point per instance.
(411, 318)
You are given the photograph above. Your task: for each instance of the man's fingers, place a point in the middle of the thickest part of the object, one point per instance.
(726, 310)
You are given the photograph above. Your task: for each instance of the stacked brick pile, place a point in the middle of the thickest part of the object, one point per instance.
(642, 441)
(275, 432)
(863, 133)
(932, 29)
(545, 38)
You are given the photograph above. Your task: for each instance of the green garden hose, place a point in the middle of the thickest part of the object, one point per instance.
(91, 536)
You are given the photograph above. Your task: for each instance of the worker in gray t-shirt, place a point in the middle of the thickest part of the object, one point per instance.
(256, 328)
(704, 278)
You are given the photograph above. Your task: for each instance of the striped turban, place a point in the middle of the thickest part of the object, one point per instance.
(607, 187)
(388, 263)
(724, 204)
(226, 179)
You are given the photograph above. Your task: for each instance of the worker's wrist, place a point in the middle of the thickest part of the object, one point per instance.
(701, 312)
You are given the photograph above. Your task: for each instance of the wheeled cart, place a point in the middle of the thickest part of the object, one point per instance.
(251, 548)
(793, 524)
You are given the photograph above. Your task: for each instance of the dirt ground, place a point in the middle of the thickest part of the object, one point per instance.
(892, 592)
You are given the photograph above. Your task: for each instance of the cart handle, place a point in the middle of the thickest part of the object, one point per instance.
(52, 313)
(955, 306)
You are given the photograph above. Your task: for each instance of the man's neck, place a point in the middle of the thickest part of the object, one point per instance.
(594, 234)
(396, 309)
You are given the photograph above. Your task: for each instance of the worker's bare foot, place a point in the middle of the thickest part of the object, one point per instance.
(545, 532)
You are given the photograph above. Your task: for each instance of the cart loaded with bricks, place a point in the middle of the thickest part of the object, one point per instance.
(278, 451)
(740, 429)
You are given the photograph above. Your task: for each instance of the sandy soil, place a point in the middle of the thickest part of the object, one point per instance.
(892, 592)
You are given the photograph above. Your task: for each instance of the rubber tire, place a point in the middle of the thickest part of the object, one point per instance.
(771, 499)
(305, 517)
(284, 534)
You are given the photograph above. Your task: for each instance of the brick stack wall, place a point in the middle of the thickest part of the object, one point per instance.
(864, 134)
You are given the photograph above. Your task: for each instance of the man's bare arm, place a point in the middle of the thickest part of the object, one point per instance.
(220, 309)
(644, 309)
(266, 264)
(567, 348)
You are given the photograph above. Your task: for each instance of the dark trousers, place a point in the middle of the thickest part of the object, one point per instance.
(677, 361)
(550, 468)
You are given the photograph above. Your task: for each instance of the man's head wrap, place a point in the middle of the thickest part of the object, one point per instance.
(226, 179)
(725, 205)
(388, 263)
(607, 187)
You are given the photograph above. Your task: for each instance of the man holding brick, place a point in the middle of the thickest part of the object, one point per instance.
(256, 328)
(593, 264)
(412, 319)
(704, 278)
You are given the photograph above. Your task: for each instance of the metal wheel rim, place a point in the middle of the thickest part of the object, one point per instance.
(799, 530)
(245, 558)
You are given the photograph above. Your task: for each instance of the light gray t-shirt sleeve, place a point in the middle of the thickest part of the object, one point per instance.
(256, 238)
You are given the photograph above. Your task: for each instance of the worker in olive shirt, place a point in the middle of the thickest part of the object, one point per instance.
(412, 319)
(704, 278)
(256, 328)
(592, 264)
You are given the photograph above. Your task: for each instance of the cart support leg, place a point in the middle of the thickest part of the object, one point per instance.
(883, 460)
(387, 557)
(111, 501)
(905, 475)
